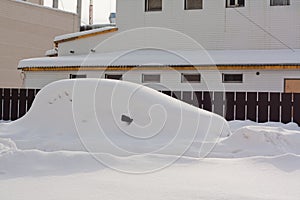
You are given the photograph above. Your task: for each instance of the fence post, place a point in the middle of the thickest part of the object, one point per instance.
(240, 106)
(14, 104)
(229, 106)
(219, 103)
(1, 103)
(252, 106)
(6, 104)
(275, 107)
(296, 109)
(263, 107)
(207, 104)
(286, 107)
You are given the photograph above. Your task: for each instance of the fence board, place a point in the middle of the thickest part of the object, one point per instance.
(198, 95)
(187, 97)
(263, 107)
(251, 106)
(240, 106)
(14, 104)
(30, 98)
(176, 95)
(22, 102)
(6, 104)
(296, 109)
(207, 104)
(229, 106)
(275, 107)
(167, 92)
(286, 107)
(218, 103)
(1, 103)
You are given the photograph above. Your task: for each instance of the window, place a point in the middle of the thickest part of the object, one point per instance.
(232, 78)
(73, 76)
(190, 78)
(151, 78)
(193, 4)
(113, 76)
(235, 3)
(153, 5)
(280, 2)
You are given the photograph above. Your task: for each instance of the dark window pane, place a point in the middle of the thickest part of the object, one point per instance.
(193, 4)
(280, 2)
(73, 76)
(235, 3)
(153, 5)
(193, 78)
(155, 78)
(232, 78)
(113, 76)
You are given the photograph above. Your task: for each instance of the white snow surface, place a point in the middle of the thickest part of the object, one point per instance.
(155, 57)
(82, 33)
(58, 151)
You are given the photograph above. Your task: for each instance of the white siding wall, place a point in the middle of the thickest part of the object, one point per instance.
(267, 81)
(217, 27)
(255, 26)
(84, 46)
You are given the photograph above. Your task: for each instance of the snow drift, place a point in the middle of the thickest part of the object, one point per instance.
(253, 139)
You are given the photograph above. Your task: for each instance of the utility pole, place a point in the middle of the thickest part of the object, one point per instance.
(91, 10)
(79, 5)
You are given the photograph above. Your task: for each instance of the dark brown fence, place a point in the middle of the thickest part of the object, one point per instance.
(14, 103)
(254, 106)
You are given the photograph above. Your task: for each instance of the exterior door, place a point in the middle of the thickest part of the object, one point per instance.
(292, 85)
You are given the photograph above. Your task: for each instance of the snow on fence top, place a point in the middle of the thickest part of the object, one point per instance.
(153, 57)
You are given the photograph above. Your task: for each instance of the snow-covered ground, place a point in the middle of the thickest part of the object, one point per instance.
(57, 152)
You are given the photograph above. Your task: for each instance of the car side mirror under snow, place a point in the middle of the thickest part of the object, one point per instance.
(127, 119)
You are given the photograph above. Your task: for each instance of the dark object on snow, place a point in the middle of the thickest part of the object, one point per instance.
(127, 119)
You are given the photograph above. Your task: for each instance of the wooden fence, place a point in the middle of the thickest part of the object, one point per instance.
(14, 103)
(254, 106)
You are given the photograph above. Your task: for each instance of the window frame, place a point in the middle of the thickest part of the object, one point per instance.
(143, 78)
(236, 5)
(186, 3)
(184, 80)
(106, 76)
(225, 81)
(76, 76)
(272, 3)
(147, 9)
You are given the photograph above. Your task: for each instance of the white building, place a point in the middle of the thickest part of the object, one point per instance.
(234, 45)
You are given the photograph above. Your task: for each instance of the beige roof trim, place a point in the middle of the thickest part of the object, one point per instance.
(127, 68)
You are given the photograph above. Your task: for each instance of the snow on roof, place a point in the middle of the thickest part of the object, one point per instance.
(83, 33)
(150, 57)
(51, 52)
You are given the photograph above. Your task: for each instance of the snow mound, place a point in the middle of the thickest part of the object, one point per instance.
(90, 115)
(286, 162)
(259, 140)
(7, 145)
(39, 163)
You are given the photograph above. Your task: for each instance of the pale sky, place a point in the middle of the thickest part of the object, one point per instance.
(102, 9)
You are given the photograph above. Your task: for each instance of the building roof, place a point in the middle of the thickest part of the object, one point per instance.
(83, 34)
(151, 57)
